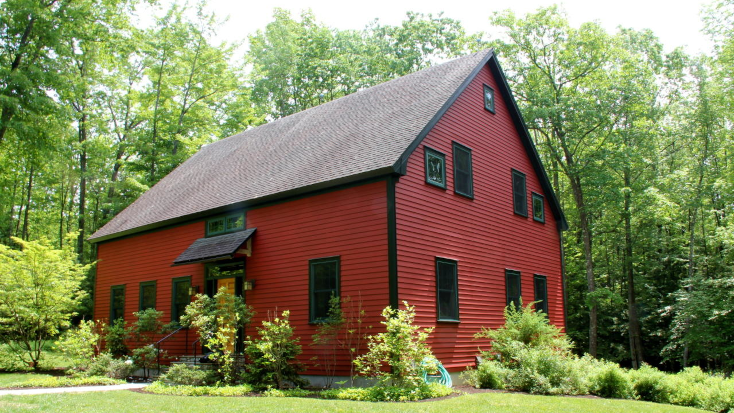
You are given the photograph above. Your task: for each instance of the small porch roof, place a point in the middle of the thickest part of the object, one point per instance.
(215, 248)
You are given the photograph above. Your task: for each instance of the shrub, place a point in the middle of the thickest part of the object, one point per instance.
(651, 384)
(543, 371)
(529, 354)
(388, 393)
(327, 338)
(610, 380)
(107, 366)
(217, 319)
(115, 337)
(272, 356)
(523, 328)
(80, 344)
(692, 387)
(341, 330)
(185, 375)
(146, 357)
(490, 374)
(161, 388)
(402, 347)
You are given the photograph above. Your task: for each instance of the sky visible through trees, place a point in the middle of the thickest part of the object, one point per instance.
(637, 139)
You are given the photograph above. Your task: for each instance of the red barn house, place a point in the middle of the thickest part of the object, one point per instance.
(425, 189)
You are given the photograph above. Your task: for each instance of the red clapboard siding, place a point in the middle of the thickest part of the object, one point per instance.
(147, 257)
(350, 223)
(483, 235)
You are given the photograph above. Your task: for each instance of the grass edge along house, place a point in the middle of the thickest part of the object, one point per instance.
(426, 188)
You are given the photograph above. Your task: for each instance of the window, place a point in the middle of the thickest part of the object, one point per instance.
(538, 208)
(228, 223)
(489, 98)
(519, 198)
(147, 295)
(117, 302)
(323, 284)
(435, 168)
(541, 293)
(447, 290)
(463, 171)
(180, 297)
(512, 284)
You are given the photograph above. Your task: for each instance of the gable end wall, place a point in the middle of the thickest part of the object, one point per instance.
(483, 234)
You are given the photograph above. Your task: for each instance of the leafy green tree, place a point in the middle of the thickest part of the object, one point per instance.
(301, 64)
(40, 290)
(195, 95)
(562, 77)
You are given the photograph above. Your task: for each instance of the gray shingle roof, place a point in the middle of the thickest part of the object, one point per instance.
(357, 136)
(212, 248)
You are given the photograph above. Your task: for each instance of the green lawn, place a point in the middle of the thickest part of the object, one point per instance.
(126, 401)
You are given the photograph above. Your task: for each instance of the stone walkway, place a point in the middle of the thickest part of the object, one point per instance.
(80, 389)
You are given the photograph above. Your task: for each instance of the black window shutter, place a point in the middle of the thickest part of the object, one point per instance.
(518, 190)
(447, 290)
(541, 293)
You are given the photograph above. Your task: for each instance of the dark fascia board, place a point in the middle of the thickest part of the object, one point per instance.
(297, 193)
(401, 164)
(494, 66)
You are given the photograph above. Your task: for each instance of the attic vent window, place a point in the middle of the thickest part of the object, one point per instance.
(435, 168)
(225, 224)
(489, 98)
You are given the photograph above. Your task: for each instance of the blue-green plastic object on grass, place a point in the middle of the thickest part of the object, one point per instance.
(442, 376)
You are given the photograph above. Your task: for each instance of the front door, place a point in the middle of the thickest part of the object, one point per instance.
(227, 276)
(228, 284)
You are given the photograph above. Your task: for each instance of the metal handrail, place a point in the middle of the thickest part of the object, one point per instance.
(193, 348)
(158, 344)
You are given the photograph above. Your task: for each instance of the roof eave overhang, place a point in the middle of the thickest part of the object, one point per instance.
(292, 194)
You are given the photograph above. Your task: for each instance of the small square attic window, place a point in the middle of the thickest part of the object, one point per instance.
(435, 168)
(489, 98)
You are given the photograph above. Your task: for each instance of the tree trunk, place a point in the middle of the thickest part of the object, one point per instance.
(82, 185)
(635, 334)
(154, 138)
(590, 281)
(24, 234)
(691, 269)
(12, 209)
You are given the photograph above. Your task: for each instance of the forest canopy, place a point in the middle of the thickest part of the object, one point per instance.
(95, 109)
